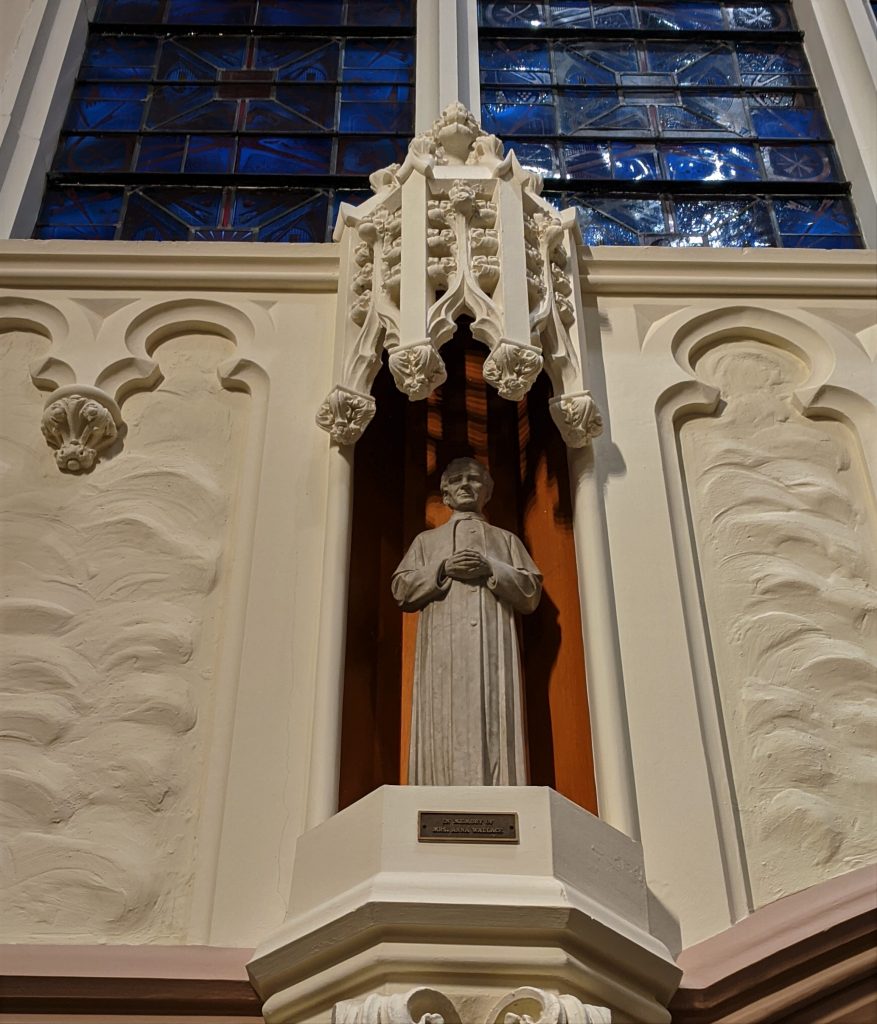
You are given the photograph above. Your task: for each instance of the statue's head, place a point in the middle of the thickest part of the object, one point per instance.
(466, 485)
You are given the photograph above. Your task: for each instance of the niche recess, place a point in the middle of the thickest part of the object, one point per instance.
(397, 467)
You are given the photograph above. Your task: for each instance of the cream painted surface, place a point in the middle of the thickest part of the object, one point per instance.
(114, 588)
(236, 484)
(263, 318)
(635, 302)
(785, 527)
(14, 13)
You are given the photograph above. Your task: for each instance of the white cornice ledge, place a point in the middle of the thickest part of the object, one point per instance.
(777, 273)
(210, 266)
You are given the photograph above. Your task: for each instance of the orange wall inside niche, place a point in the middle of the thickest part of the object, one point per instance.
(397, 467)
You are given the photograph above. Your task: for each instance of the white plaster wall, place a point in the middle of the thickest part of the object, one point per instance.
(215, 557)
(14, 12)
(114, 588)
(159, 615)
(784, 520)
(645, 311)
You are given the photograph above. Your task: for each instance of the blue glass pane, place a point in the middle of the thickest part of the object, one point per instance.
(190, 106)
(376, 108)
(589, 160)
(579, 64)
(760, 17)
(534, 156)
(380, 13)
(83, 207)
(362, 156)
(513, 15)
(147, 222)
(608, 15)
(191, 58)
(815, 216)
(723, 222)
(799, 163)
(282, 215)
(767, 66)
(161, 154)
(517, 112)
(705, 115)
(634, 162)
(297, 109)
(695, 63)
(378, 60)
(711, 163)
(95, 153)
(312, 60)
(105, 52)
(515, 62)
(211, 12)
(580, 112)
(210, 154)
(111, 105)
(302, 12)
(575, 14)
(133, 12)
(821, 242)
(193, 206)
(284, 155)
(91, 233)
(682, 17)
(779, 115)
(618, 221)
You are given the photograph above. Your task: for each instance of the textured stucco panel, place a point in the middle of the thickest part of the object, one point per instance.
(113, 587)
(783, 517)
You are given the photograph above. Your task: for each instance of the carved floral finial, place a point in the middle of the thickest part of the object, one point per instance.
(78, 426)
(511, 369)
(577, 418)
(345, 414)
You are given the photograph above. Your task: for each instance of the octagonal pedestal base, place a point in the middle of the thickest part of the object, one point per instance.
(385, 928)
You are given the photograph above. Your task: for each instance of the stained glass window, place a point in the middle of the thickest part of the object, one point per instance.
(686, 123)
(230, 119)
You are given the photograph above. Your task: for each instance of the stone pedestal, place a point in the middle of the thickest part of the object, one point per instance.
(385, 928)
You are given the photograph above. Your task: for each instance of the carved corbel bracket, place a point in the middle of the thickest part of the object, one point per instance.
(78, 422)
(345, 414)
(543, 1006)
(417, 369)
(577, 418)
(512, 368)
(524, 1005)
(419, 1006)
(460, 229)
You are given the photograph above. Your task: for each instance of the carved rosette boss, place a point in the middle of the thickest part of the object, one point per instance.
(459, 228)
(78, 422)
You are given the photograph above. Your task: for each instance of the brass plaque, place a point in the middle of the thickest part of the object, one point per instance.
(467, 827)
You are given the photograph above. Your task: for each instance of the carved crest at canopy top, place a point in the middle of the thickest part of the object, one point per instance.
(459, 228)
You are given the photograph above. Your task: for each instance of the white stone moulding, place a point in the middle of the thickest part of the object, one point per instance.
(459, 228)
(95, 362)
(524, 1005)
(384, 928)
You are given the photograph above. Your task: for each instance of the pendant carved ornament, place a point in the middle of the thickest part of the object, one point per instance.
(459, 228)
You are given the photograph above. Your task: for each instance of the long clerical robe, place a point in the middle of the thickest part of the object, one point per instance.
(467, 723)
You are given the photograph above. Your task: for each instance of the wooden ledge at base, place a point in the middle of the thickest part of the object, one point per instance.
(810, 958)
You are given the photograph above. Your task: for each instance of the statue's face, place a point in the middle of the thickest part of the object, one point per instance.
(465, 489)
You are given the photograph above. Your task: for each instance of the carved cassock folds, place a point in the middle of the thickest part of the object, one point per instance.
(467, 720)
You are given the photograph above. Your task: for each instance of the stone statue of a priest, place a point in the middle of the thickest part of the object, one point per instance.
(467, 579)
